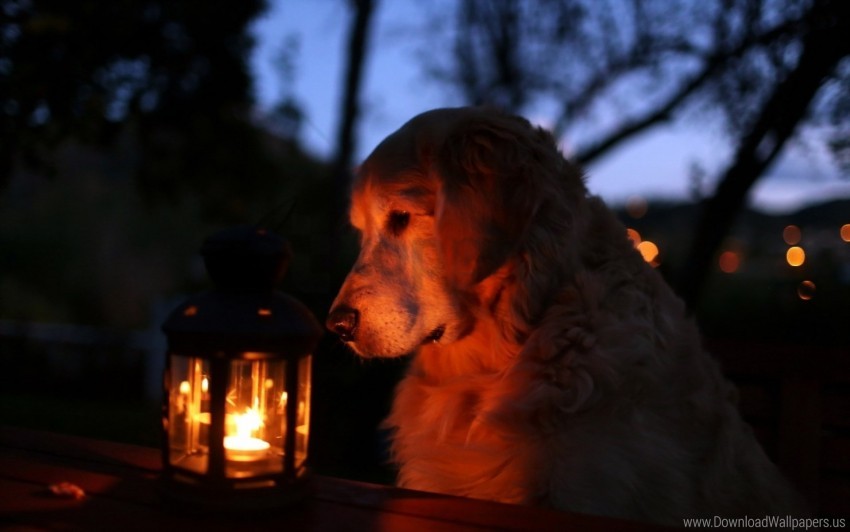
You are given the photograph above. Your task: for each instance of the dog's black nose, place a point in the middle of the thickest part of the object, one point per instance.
(343, 321)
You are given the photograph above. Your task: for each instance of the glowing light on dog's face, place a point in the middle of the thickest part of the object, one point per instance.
(397, 283)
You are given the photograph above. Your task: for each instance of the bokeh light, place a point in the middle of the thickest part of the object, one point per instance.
(649, 251)
(845, 232)
(729, 261)
(634, 236)
(795, 256)
(792, 235)
(806, 290)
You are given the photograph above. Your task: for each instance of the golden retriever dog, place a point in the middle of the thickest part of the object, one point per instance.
(551, 364)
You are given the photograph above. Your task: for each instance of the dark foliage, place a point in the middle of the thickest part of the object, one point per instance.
(172, 73)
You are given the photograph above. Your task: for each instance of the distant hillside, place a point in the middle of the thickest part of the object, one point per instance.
(759, 294)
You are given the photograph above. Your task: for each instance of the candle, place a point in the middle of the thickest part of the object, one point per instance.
(243, 446)
(245, 449)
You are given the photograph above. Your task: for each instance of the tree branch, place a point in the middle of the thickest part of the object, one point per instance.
(658, 115)
(712, 63)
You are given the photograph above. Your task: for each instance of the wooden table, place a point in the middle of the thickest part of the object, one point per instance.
(119, 481)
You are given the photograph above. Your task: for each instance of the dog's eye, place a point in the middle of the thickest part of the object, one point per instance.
(398, 222)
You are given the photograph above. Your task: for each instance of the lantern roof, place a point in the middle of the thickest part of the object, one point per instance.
(246, 258)
(243, 313)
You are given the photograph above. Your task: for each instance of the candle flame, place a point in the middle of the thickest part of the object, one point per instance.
(243, 446)
(247, 423)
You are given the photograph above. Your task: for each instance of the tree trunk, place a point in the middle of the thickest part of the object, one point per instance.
(823, 47)
(342, 163)
(350, 112)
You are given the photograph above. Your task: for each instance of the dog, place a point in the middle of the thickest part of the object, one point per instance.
(551, 364)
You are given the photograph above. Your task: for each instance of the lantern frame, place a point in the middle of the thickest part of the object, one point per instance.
(242, 323)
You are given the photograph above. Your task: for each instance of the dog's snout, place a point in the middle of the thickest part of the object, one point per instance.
(343, 321)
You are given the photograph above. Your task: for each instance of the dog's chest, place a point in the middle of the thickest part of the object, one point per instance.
(448, 440)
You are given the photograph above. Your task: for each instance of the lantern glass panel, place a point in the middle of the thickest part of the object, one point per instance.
(255, 417)
(189, 414)
(302, 424)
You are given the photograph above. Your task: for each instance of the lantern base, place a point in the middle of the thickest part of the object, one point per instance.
(192, 496)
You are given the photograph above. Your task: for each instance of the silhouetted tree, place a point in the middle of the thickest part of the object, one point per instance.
(765, 67)
(823, 44)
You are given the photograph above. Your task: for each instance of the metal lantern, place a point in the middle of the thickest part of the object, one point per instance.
(236, 408)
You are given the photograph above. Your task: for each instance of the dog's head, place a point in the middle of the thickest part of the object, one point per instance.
(446, 208)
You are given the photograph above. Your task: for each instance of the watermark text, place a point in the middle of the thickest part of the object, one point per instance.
(768, 521)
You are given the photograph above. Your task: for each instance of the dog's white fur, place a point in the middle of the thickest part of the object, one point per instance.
(567, 373)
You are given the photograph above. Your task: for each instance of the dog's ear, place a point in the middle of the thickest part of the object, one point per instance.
(490, 190)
